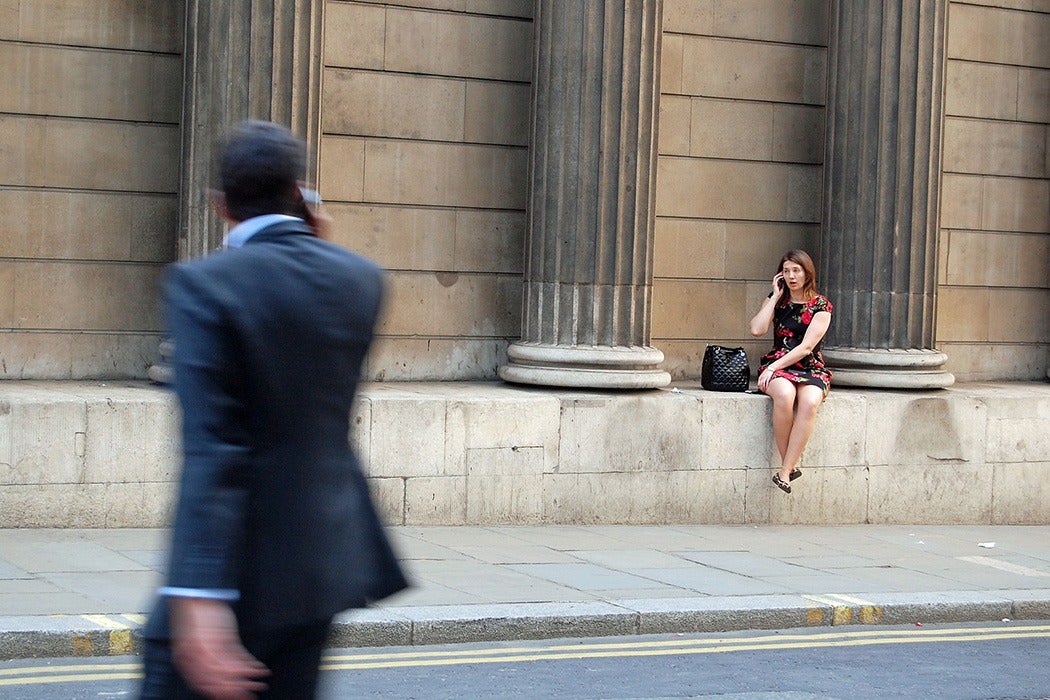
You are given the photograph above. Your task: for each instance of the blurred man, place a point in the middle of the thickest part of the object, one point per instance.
(274, 532)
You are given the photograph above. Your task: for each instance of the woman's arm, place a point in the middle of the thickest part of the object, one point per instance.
(759, 325)
(814, 334)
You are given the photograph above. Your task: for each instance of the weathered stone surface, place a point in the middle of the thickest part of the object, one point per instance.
(91, 455)
(802, 22)
(930, 493)
(1021, 493)
(652, 432)
(824, 495)
(407, 437)
(926, 429)
(736, 431)
(401, 359)
(436, 500)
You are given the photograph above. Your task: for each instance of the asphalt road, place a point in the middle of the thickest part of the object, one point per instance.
(957, 662)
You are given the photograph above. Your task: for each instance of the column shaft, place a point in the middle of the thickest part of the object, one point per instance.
(244, 59)
(588, 263)
(881, 191)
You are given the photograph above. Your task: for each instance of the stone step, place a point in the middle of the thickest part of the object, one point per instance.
(105, 454)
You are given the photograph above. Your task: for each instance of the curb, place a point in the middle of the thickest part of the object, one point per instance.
(117, 635)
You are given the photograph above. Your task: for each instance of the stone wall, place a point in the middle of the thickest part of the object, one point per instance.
(90, 96)
(994, 295)
(75, 454)
(741, 146)
(425, 122)
(423, 159)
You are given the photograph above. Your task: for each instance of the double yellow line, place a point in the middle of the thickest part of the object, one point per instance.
(76, 673)
(90, 672)
(672, 647)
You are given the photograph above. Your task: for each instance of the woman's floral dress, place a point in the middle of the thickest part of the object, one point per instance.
(790, 323)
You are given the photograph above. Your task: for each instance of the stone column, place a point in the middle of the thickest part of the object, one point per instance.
(881, 192)
(243, 59)
(588, 261)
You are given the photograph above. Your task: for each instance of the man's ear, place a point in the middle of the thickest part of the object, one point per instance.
(218, 200)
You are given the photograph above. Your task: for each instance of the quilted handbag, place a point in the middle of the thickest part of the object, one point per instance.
(725, 369)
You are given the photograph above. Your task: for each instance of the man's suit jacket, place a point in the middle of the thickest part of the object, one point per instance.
(269, 340)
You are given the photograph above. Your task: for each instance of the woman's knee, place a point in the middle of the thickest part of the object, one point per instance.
(809, 399)
(781, 391)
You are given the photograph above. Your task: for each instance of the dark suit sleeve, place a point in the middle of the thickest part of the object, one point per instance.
(209, 517)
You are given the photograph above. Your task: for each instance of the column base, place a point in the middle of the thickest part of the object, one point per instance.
(589, 367)
(888, 369)
(160, 372)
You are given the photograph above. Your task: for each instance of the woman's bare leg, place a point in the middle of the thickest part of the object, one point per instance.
(782, 391)
(808, 400)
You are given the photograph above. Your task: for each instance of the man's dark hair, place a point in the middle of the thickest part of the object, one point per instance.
(259, 170)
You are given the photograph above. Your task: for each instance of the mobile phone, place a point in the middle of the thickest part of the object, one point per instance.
(308, 205)
(780, 284)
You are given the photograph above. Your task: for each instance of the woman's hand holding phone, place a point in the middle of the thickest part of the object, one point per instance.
(778, 285)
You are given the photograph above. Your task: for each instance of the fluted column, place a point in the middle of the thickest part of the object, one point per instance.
(244, 59)
(588, 263)
(881, 192)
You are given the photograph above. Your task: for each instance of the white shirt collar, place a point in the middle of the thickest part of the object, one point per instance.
(239, 234)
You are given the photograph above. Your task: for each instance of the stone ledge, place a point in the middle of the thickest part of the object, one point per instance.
(104, 454)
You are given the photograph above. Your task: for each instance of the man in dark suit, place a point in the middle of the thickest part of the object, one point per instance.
(274, 531)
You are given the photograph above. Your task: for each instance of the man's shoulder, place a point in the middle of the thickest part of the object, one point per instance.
(226, 266)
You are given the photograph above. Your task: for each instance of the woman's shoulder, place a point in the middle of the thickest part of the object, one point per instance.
(820, 303)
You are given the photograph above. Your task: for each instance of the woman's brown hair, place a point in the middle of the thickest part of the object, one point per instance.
(802, 259)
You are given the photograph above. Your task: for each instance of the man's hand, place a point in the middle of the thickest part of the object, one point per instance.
(207, 651)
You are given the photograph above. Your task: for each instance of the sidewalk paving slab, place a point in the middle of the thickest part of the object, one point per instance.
(85, 592)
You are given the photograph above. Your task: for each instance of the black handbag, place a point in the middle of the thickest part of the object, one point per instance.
(725, 369)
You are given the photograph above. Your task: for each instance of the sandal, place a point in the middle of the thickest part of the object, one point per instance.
(795, 473)
(781, 484)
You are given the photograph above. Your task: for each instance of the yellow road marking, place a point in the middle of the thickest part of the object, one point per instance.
(823, 600)
(37, 675)
(841, 615)
(105, 622)
(86, 678)
(542, 655)
(850, 599)
(83, 646)
(867, 614)
(870, 615)
(821, 636)
(120, 642)
(68, 669)
(134, 618)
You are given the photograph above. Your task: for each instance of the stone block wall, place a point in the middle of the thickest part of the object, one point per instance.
(739, 176)
(423, 161)
(76, 454)
(994, 294)
(90, 100)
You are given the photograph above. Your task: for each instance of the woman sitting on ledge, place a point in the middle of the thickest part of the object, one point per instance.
(793, 372)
